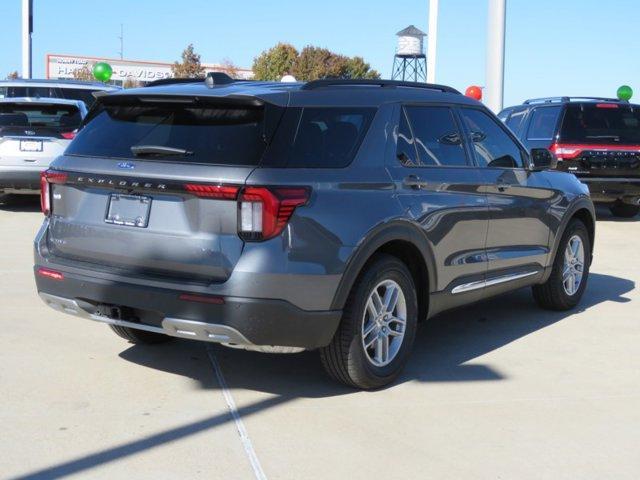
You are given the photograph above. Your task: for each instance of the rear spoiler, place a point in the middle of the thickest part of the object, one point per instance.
(123, 98)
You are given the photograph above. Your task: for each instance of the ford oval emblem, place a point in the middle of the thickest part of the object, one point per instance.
(126, 165)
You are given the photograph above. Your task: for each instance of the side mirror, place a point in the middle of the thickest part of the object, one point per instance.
(542, 159)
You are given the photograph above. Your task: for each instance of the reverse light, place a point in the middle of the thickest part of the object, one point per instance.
(47, 178)
(52, 274)
(265, 211)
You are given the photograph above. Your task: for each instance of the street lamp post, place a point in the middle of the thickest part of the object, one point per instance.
(431, 41)
(494, 86)
(27, 30)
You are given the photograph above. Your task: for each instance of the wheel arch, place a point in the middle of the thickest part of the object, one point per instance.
(403, 240)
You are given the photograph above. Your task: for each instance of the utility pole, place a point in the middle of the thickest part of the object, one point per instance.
(27, 30)
(432, 36)
(494, 81)
(121, 37)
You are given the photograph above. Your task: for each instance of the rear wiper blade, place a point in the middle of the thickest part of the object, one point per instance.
(141, 150)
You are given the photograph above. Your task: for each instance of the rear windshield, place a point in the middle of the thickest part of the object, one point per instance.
(83, 94)
(309, 137)
(37, 115)
(221, 135)
(606, 123)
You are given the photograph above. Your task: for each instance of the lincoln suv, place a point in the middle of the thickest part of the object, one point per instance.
(333, 215)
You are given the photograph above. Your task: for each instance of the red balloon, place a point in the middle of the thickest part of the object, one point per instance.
(474, 92)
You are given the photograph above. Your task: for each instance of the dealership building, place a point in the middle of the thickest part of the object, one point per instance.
(63, 66)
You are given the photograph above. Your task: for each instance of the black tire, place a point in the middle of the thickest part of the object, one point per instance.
(136, 336)
(551, 295)
(624, 210)
(344, 358)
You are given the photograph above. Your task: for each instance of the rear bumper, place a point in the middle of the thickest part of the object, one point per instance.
(244, 322)
(606, 190)
(20, 179)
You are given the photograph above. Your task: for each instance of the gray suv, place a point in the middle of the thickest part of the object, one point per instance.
(333, 215)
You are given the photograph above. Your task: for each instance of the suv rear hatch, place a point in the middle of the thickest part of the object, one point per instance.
(600, 140)
(34, 133)
(150, 185)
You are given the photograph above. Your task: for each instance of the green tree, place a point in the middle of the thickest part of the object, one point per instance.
(190, 67)
(272, 64)
(314, 63)
(356, 67)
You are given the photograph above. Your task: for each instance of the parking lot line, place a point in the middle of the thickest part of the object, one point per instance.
(231, 405)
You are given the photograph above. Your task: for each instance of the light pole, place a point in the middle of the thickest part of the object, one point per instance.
(431, 41)
(494, 81)
(27, 30)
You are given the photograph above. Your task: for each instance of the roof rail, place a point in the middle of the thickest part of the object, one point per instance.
(570, 99)
(374, 83)
(212, 79)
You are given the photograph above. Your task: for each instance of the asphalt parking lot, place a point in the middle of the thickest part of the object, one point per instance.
(497, 390)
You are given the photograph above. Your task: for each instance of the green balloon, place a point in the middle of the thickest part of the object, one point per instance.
(102, 71)
(625, 93)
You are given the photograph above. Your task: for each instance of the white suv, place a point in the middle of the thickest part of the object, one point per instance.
(33, 132)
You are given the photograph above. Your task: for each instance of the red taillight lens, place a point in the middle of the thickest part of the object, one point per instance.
(565, 152)
(46, 179)
(264, 212)
(606, 105)
(69, 135)
(191, 297)
(52, 274)
(221, 192)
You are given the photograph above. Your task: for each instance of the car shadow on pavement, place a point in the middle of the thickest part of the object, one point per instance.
(443, 347)
(20, 203)
(603, 214)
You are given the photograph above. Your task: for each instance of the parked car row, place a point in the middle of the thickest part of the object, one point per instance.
(332, 215)
(596, 139)
(38, 119)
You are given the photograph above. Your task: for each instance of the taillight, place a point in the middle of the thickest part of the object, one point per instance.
(52, 274)
(69, 135)
(46, 179)
(221, 192)
(566, 152)
(265, 211)
(606, 105)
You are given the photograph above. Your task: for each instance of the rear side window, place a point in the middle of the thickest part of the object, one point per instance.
(37, 92)
(38, 115)
(543, 123)
(319, 137)
(514, 122)
(492, 145)
(211, 134)
(607, 123)
(437, 137)
(82, 94)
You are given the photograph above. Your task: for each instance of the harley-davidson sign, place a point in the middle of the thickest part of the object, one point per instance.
(63, 67)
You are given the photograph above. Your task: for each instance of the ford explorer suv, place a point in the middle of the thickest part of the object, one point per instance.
(66, 89)
(333, 215)
(596, 139)
(34, 131)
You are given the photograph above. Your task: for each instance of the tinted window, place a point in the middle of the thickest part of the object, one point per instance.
(437, 137)
(514, 122)
(601, 123)
(79, 94)
(319, 137)
(543, 123)
(493, 146)
(405, 143)
(37, 115)
(38, 92)
(225, 135)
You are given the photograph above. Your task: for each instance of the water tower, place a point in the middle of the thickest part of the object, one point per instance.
(410, 62)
